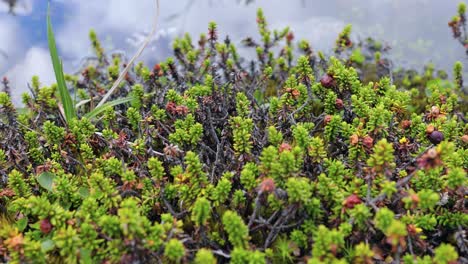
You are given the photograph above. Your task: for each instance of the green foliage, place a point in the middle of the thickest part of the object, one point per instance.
(242, 128)
(461, 9)
(242, 105)
(304, 69)
(241, 256)
(357, 57)
(343, 40)
(362, 253)
(299, 190)
(174, 250)
(360, 213)
(384, 218)
(428, 199)
(96, 45)
(204, 256)
(46, 179)
(220, 193)
(5, 99)
(134, 117)
(327, 243)
(237, 231)
(96, 111)
(382, 159)
(208, 157)
(301, 135)
(248, 176)
(274, 136)
(18, 184)
(201, 211)
(68, 107)
(457, 73)
(156, 168)
(53, 133)
(187, 131)
(317, 149)
(445, 254)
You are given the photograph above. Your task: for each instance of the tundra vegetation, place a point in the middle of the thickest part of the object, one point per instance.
(292, 156)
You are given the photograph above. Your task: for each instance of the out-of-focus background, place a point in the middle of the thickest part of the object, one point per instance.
(416, 29)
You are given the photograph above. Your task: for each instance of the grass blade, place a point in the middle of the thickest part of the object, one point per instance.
(129, 64)
(96, 111)
(65, 97)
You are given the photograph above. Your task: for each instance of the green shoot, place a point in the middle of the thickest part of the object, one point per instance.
(69, 110)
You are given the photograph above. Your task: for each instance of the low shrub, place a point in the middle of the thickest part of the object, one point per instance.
(291, 156)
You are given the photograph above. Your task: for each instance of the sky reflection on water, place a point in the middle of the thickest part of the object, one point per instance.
(416, 29)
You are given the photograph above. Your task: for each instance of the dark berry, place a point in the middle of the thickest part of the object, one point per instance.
(327, 81)
(339, 103)
(348, 43)
(45, 226)
(436, 137)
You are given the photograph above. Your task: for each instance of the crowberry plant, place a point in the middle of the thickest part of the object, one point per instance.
(293, 156)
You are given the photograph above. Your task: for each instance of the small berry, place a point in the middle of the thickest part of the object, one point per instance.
(368, 142)
(327, 119)
(351, 201)
(339, 103)
(327, 81)
(348, 43)
(354, 139)
(295, 93)
(464, 138)
(430, 129)
(415, 198)
(405, 124)
(267, 185)
(157, 67)
(45, 226)
(436, 137)
(289, 36)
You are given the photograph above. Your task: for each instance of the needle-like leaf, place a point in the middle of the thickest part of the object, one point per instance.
(65, 97)
(96, 111)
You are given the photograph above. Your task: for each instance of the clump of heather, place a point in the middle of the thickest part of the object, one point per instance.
(291, 157)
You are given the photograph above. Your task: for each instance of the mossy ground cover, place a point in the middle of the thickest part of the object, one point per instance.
(292, 157)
